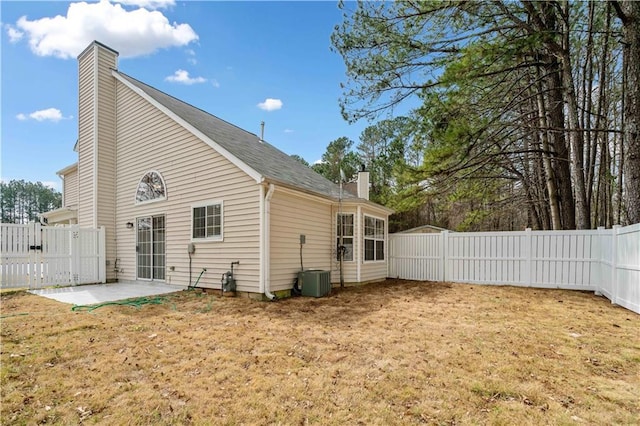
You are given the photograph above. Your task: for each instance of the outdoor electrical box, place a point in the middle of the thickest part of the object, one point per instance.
(314, 282)
(191, 248)
(303, 239)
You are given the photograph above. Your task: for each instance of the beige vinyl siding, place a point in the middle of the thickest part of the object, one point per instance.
(370, 270)
(86, 119)
(96, 145)
(106, 154)
(293, 215)
(193, 174)
(70, 189)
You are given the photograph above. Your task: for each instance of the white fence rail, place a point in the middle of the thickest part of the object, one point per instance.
(605, 261)
(36, 256)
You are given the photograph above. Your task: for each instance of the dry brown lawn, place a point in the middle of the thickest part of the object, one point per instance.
(398, 352)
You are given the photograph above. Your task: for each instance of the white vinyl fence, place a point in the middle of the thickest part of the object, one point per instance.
(606, 261)
(36, 256)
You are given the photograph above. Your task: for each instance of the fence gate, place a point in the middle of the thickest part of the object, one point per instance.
(36, 256)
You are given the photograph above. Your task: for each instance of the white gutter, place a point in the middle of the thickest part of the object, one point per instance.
(265, 255)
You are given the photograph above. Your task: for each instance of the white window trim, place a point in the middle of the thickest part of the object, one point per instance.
(216, 238)
(364, 237)
(155, 200)
(353, 237)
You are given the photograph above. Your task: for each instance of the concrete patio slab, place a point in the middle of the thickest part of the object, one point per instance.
(100, 293)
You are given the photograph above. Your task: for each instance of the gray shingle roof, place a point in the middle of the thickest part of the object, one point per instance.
(273, 164)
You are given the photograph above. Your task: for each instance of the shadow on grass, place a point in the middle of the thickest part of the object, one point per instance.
(343, 305)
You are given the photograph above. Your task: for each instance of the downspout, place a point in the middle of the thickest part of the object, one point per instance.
(266, 250)
(341, 236)
(64, 193)
(358, 256)
(262, 251)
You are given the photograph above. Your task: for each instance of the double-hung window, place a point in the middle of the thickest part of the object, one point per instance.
(373, 239)
(344, 231)
(207, 221)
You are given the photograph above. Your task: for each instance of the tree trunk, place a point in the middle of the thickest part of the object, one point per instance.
(559, 146)
(587, 109)
(576, 139)
(603, 199)
(629, 13)
(550, 179)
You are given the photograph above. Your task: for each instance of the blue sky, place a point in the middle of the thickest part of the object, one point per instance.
(245, 62)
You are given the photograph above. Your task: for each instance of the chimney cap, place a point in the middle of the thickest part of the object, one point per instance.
(98, 44)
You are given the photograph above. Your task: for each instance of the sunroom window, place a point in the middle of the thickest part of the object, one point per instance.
(345, 230)
(373, 239)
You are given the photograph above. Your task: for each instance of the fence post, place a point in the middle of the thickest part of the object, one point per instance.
(598, 279)
(443, 254)
(35, 239)
(614, 264)
(102, 264)
(74, 258)
(528, 255)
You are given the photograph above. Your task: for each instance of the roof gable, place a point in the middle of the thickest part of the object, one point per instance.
(258, 159)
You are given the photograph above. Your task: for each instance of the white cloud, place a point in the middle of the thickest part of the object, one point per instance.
(52, 185)
(148, 4)
(270, 104)
(14, 34)
(49, 114)
(288, 130)
(182, 77)
(215, 83)
(130, 32)
(192, 56)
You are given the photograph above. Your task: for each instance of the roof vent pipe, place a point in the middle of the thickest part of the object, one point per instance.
(262, 131)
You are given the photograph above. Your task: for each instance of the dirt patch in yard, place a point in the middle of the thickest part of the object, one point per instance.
(397, 352)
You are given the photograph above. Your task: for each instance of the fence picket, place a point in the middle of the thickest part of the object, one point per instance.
(604, 261)
(34, 256)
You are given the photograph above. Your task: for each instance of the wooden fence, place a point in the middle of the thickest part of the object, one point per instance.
(36, 256)
(606, 261)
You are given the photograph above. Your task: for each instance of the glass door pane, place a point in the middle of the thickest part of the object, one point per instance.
(143, 247)
(158, 248)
